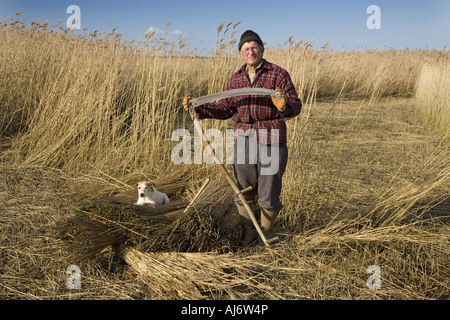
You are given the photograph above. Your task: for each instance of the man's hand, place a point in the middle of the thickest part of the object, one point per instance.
(186, 102)
(279, 103)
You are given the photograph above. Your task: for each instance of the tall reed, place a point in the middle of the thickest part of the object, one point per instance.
(433, 95)
(95, 100)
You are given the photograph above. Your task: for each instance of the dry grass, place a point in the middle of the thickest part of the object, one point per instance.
(194, 276)
(367, 183)
(109, 103)
(433, 95)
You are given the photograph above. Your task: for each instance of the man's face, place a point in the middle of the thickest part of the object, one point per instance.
(252, 53)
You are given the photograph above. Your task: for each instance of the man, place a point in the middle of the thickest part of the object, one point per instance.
(260, 120)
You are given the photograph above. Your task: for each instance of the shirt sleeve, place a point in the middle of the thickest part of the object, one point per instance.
(287, 112)
(293, 102)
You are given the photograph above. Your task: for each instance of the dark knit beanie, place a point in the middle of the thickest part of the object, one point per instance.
(249, 35)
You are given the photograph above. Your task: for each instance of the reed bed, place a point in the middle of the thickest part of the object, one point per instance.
(109, 103)
(84, 117)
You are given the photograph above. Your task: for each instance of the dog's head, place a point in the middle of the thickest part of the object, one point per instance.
(144, 188)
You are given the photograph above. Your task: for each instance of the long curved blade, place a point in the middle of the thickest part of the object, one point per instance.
(234, 93)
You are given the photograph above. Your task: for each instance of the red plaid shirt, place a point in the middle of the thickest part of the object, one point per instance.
(257, 114)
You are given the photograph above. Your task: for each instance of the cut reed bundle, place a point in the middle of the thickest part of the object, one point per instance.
(194, 276)
(115, 220)
(209, 224)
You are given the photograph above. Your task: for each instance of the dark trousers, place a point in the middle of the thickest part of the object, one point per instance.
(262, 169)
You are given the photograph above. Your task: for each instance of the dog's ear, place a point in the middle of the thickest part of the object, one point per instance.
(152, 184)
(136, 185)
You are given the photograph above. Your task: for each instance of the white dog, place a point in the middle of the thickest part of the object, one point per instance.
(149, 195)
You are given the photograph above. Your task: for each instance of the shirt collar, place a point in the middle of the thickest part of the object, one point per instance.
(263, 64)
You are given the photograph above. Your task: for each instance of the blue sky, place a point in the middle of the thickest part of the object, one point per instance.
(413, 24)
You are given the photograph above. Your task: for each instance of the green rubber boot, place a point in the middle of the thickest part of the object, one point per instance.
(268, 218)
(249, 234)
